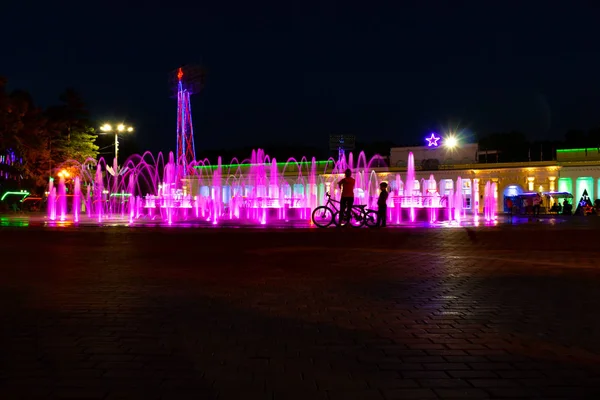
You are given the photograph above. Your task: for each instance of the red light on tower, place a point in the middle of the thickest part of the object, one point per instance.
(180, 74)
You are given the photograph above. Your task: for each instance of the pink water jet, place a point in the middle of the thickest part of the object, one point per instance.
(490, 201)
(131, 200)
(458, 201)
(51, 200)
(409, 185)
(62, 198)
(76, 199)
(99, 194)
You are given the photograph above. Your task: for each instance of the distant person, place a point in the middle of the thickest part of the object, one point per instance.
(509, 205)
(537, 200)
(382, 205)
(567, 208)
(347, 198)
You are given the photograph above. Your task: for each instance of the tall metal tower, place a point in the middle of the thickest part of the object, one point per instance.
(188, 80)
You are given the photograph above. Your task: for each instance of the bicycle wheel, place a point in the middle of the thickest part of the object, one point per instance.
(322, 216)
(356, 219)
(371, 218)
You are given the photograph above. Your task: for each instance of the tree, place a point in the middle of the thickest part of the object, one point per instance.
(30, 138)
(72, 136)
(81, 145)
(44, 140)
(22, 132)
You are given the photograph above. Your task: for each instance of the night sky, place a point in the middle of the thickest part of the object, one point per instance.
(296, 71)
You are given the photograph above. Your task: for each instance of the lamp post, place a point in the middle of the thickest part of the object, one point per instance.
(120, 128)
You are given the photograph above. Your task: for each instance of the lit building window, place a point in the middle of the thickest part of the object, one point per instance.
(530, 183)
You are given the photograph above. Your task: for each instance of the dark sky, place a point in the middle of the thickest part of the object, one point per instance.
(297, 71)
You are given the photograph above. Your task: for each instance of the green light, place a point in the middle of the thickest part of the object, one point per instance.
(13, 222)
(23, 193)
(565, 185)
(577, 150)
(279, 164)
(120, 194)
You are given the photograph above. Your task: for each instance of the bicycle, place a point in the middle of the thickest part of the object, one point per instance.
(359, 216)
(324, 216)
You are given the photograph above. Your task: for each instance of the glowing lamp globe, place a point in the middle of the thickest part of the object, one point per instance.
(451, 142)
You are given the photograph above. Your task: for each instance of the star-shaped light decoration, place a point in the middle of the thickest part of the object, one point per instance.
(432, 141)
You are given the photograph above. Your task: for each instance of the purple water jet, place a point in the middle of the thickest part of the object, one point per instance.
(490, 201)
(76, 199)
(51, 200)
(458, 201)
(99, 194)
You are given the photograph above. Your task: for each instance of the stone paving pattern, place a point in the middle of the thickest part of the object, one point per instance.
(116, 313)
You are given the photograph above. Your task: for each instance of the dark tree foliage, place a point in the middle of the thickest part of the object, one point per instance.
(44, 139)
(73, 137)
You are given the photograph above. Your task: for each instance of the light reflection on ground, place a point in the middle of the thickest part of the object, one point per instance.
(37, 220)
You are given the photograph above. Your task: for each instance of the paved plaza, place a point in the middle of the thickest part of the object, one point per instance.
(148, 313)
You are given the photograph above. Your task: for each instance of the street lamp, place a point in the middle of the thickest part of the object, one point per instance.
(120, 128)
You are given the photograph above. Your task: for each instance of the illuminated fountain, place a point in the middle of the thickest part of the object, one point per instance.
(258, 191)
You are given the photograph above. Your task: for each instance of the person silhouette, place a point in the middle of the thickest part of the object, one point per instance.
(382, 205)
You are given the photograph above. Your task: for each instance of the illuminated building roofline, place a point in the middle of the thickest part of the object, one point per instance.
(279, 164)
(552, 165)
(578, 150)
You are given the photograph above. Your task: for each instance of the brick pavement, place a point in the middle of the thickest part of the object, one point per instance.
(116, 313)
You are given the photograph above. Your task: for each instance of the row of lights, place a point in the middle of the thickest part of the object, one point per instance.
(119, 128)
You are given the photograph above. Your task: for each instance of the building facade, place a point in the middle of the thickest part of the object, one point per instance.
(574, 171)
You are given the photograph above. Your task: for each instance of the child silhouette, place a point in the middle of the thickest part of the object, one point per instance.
(382, 205)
